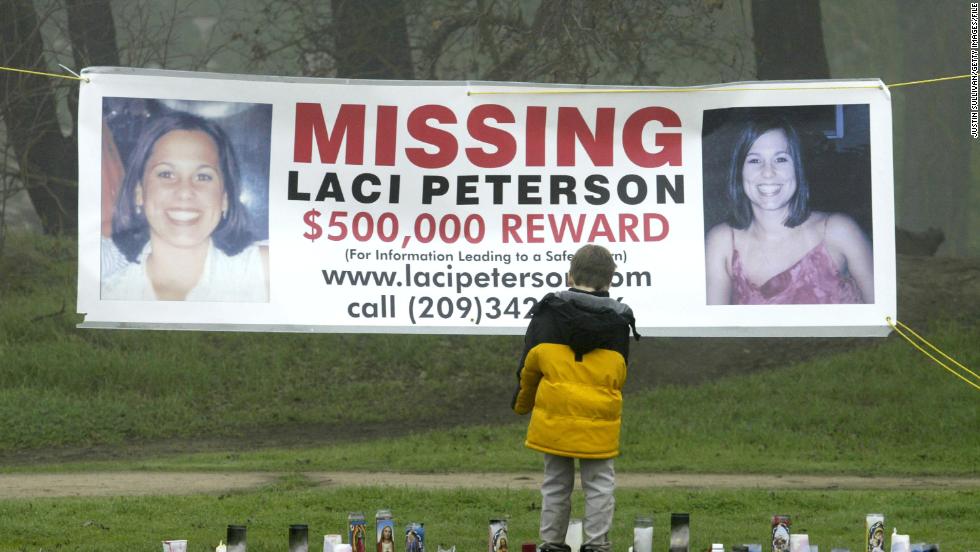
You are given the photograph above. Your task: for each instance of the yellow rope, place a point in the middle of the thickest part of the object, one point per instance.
(43, 74)
(682, 90)
(896, 85)
(700, 89)
(604, 90)
(658, 90)
(923, 351)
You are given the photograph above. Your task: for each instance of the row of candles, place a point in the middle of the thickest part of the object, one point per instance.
(782, 538)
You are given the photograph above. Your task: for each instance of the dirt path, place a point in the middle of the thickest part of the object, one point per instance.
(20, 486)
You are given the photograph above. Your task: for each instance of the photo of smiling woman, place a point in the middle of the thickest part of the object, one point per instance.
(773, 246)
(179, 220)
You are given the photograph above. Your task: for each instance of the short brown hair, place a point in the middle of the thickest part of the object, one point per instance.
(592, 266)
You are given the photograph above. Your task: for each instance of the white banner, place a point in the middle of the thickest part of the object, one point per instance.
(229, 202)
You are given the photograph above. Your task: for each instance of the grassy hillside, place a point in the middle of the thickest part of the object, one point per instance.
(875, 412)
(64, 387)
(438, 402)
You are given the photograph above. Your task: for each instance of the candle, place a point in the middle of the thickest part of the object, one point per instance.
(573, 538)
(299, 538)
(874, 536)
(799, 542)
(175, 546)
(643, 534)
(900, 543)
(680, 532)
(236, 537)
(330, 542)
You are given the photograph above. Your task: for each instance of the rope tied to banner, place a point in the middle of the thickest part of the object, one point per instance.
(899, 327)
(701, 89)
(75, 76)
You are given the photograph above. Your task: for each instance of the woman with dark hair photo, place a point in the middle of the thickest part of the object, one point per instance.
(774, 249)
(179, 220)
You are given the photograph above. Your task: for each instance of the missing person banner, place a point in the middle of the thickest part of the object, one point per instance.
(229, 202)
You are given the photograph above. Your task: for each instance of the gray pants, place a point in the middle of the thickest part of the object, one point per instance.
(598, 482)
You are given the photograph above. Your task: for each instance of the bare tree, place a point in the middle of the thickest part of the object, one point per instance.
(9, 187)
(579, 41)
(45, 156)
(46, 159)
(611, 41)
(371, 39)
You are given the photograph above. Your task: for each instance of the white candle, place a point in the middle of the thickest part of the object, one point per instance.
(799, 543)
(175, 546)
(330, 541)
(643, 539)
(573, 538)
(900, 543)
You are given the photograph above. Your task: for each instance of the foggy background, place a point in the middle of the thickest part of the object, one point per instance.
(628, 42)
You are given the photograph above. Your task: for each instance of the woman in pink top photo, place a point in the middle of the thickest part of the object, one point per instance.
(774, 249)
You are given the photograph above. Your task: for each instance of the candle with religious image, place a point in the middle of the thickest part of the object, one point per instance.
(385, 531)
(415, 537)
(874, 535)
(498, 539)
(781, 533)
(357, 531)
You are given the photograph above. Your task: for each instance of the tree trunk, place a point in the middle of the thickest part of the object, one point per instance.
(371, 38)
(92, 33)
(788, 39)
(936, 189)
(513, 66)
(47, 160)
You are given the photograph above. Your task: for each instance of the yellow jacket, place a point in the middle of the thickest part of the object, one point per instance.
(572, 374)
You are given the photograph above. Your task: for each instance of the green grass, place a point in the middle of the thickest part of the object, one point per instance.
(832, 519)
(881, 410)
(65, 387)
(84, 388)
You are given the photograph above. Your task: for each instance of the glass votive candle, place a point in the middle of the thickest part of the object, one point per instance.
(643, 534)
(299, 538)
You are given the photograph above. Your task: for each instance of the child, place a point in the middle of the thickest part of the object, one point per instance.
(570, 379)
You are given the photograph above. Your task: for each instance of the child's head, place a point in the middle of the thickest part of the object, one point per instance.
(593, 267)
